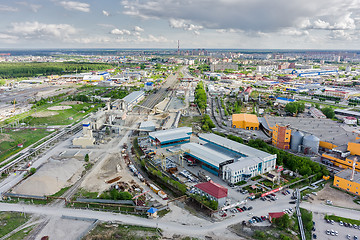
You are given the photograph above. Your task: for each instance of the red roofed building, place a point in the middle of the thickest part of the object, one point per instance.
(275, 215)
(213, 191)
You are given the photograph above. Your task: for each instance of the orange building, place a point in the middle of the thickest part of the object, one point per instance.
(344, 156)
(281, 136)
(245, 121)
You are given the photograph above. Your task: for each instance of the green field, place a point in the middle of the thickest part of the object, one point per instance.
(63, 117)
(26, 137)
(10, 221)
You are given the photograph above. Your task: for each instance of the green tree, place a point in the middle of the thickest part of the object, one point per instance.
(283, 222)
(328, 112)
(86, 158)
(32, 171)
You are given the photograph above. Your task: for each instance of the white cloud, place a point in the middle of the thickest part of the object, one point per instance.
(6, 8)
(41, 30)
(117, 31)
(34, 7)
(294, 32)
(8, 38)
(105, 13)
(77, 6)
(152, 38)
(320, 24)
(138, 29)
(183, 24)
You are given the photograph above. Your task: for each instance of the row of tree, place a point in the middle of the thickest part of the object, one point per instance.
(18, 70)
(200, 96)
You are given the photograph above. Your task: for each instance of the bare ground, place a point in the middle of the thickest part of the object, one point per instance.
(71, 103)
(5, 137)
(56, 108)
(338, 197)
(51, 177)
(110, 168)
(44, 114)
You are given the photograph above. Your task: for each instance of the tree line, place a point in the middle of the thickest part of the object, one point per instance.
(18, 70)
(200, 96)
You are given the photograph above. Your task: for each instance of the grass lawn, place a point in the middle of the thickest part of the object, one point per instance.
(10, 221)
(110, 231)
(21, 234)
(26, 137)
(63, 117)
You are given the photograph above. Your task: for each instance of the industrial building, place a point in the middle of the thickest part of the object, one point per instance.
(147, 125)
(343, 156)
(348, 180)
(230, 160)
(281, 136)
(170, 137)
(132, 99)
(283, 100)
(212, 191)
(245, 121)
(330, 133)
(316, 113)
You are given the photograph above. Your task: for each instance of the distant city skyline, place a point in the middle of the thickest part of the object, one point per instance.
(212, 24)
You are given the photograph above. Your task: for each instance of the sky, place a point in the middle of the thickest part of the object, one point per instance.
(235, 24)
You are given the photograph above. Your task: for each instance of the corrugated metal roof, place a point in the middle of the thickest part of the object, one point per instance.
(133, 96)
(212, 157)
(233, 146)
(171, 134)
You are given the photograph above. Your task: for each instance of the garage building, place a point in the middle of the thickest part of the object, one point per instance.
(170, 137)
(245, 121)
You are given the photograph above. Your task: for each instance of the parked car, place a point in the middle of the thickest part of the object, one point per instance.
(249, 208)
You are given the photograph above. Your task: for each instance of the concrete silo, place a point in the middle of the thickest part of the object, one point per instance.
(311, 144)
(296, 140)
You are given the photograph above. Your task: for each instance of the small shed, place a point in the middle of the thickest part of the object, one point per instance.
(275, 215)
(152, 212)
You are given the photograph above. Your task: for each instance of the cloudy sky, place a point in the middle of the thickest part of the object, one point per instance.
(259, 24)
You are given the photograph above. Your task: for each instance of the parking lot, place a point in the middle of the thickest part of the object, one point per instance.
(321, 226)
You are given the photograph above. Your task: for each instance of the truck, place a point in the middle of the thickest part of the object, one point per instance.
(162, 195)
(203, 177)
(154, 188)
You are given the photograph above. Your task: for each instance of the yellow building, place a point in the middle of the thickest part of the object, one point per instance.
(343, 156)
(281, 136)
(343, 180)
(245, 121)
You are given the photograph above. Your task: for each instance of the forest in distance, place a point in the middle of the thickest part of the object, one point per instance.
(20, 70)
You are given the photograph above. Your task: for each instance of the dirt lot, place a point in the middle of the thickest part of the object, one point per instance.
(5, 137)
(51, 177)
(338, 197)
(71, 103)
(110, 168)
(44, 114)
(56, 108)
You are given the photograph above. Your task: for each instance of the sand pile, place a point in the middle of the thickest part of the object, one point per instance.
(56, 108)
(50, 178)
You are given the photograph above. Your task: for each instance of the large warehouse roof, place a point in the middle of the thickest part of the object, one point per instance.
(243, 117)
(171, 134)
(208, 155)
(233, 146)
(133, 96)
(325, 129)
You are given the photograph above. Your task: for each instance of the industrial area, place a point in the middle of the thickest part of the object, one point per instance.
(187, 154)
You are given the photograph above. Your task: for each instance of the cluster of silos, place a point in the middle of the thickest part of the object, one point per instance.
(308, 144)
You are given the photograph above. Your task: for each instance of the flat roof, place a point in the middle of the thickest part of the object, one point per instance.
(343, 111)
(147, 124)
(133, 96)
(244, 163)
(233, 146)
(210, 156)
(171, 134)
(346, 174)
(325, 129)
(245, 117)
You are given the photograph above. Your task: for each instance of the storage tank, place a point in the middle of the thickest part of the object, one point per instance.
(296, 140)
(311, 144)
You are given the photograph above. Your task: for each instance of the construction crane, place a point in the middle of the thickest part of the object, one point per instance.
(164, 156)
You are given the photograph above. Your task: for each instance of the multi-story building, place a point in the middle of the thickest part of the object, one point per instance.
(348, 180)
(281, 136)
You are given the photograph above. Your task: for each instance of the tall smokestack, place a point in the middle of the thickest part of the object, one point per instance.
(178, 52)
(353, 169)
